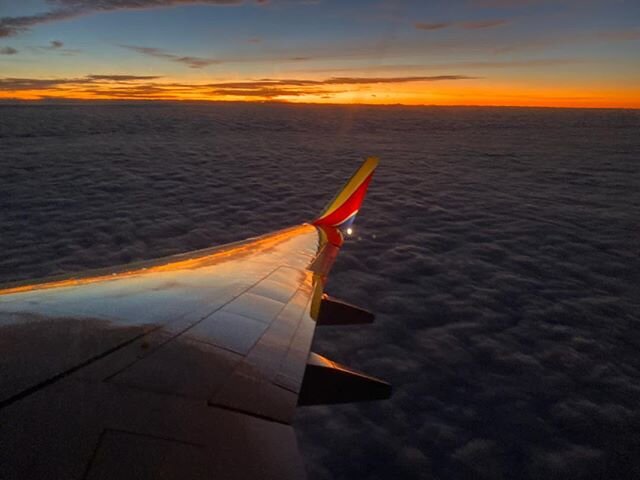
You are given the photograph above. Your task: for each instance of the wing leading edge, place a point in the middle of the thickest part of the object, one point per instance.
(194, 362)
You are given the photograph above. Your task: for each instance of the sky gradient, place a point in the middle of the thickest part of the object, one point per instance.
(575, 53)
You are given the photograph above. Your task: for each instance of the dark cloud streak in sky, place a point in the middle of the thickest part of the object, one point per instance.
(67, 9)
(470, 25)
(432, 25)
(483, 24)
(10, 26)
(530, 63)
(190, 61)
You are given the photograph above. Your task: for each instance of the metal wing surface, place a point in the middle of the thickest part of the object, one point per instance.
(185, 367)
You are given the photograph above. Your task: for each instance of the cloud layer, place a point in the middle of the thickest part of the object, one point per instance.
(498, 248)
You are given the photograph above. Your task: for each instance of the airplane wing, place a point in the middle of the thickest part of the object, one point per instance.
(189, 366)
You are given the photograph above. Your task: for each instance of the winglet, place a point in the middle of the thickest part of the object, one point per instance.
(342, 210)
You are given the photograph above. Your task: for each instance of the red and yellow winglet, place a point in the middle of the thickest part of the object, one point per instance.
(342, 210)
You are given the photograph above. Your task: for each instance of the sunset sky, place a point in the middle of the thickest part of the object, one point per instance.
(455, 52)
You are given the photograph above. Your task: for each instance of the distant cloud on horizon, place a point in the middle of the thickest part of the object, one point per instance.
(8, 51)
(123, 78)
(9, 83)
(145, 87)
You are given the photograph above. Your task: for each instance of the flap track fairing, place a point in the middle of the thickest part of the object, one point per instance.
(337, 312)
(327, 382)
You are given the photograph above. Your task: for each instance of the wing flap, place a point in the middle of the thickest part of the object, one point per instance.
(254, 387)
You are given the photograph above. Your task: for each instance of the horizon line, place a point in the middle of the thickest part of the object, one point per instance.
(64, 100)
